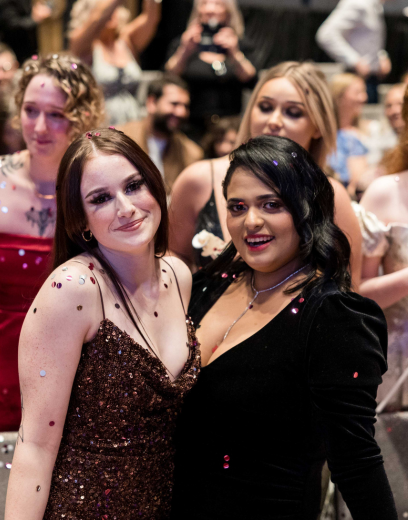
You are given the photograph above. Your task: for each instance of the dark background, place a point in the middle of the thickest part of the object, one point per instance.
(281, 30)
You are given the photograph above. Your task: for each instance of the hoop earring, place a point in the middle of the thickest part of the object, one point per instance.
(87, 239)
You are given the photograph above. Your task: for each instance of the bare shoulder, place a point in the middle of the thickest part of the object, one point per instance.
(196, 176)
(381, 193)
(183, 275)
(13, 163)
(69, 296)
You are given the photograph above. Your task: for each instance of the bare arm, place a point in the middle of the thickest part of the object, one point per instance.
(388, 288)
(190, 192)
(82, 38)
(140, 31)
(347, 221)
(49, 351)
(357, 166)
(188, 45)
(243, 68)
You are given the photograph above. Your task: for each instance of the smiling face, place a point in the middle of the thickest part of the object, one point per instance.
(353, 98)
(280, 110)
(260, 225)
(170, 110)
(120, 210)
(44, 125)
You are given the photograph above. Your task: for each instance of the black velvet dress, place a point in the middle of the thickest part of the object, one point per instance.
(264, 416)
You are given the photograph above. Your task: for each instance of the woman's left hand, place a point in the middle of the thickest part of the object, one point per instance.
(228, 40)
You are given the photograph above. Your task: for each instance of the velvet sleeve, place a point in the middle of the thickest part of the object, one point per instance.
(346, 357)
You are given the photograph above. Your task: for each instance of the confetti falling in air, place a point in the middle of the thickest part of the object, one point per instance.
(34, 57)
(301, 300)
(51, 423)
(355, 375)
(38, 488)
(92, 280)
(8, 465)
(74, 66)
(79, 307)
(91, 266)
(35, 310)
(25, 266)
(38, 261)
(69, 278)
(155, 313)
(65, 268)
(166, 286)
(53, 276)
(275, 163)
(294, 155)
(43, 373)
(295, 311)
(117, 305)
(3, 185)
(59, 285)
(226, 458)
(53, 284)
(224, 275)
(226, 465)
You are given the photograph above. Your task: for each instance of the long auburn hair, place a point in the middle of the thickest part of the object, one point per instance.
(71, 219)
(285, 166)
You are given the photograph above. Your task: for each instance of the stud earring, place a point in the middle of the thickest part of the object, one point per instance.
(87, 239)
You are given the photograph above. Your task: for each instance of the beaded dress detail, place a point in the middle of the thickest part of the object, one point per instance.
(116, 457)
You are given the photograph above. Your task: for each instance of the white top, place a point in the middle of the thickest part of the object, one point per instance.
(354, 30)
(156, 148)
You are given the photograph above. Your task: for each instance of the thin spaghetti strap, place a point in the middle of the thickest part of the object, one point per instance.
(99, 287)
(178, 287)
(212, 174)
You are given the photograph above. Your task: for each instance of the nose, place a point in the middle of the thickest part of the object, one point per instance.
(275, 119)
(41, 123)
(125, 208)
(253, 219)
(181, 111)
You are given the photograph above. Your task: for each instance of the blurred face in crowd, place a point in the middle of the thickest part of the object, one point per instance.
(393, 108)
(280, 110)
(226, 144)
(353, 98)
(212, 10)
(170, 110)
(44, 125)
(8, 67)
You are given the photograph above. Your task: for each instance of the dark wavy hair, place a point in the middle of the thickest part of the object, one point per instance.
(71, 219)
(306, 192)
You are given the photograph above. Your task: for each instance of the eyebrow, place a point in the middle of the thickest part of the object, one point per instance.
(289, 101)
(105, 188)
(28, 102)
(260, 197)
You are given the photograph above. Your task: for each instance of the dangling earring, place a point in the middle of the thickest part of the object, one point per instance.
(87, 239)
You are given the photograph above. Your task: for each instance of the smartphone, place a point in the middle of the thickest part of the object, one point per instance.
(207, 37)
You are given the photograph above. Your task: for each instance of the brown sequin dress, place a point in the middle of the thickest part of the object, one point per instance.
(116, 455)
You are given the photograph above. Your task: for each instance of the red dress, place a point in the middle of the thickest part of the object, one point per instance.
(23, 269)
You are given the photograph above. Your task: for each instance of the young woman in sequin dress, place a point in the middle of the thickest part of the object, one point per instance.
(290, 100)
(57, 98)
(291, 358)
(106, 351)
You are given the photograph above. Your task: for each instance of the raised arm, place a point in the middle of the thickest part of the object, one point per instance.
(82, 38)
(140, 31)
(188, 45)
(49, 351)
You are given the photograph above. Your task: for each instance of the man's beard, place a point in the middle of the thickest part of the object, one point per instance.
(160, 124)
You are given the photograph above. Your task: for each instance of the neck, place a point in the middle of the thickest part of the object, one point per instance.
(136, 271)
(264, 281)
(347, 119)
(44, 174)
(108, 38)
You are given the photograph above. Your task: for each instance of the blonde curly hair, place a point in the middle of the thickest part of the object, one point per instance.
(84, 107)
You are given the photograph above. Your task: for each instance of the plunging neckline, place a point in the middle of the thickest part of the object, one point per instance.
(254, 334)
(124, 334)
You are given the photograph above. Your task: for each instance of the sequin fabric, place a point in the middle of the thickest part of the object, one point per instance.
(116, 456)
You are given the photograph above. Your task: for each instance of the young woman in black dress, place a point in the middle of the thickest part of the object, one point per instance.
(291, 358)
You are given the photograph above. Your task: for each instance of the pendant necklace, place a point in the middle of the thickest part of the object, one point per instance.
(250, 304)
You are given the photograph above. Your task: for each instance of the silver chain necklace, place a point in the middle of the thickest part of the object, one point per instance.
(250, 304)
